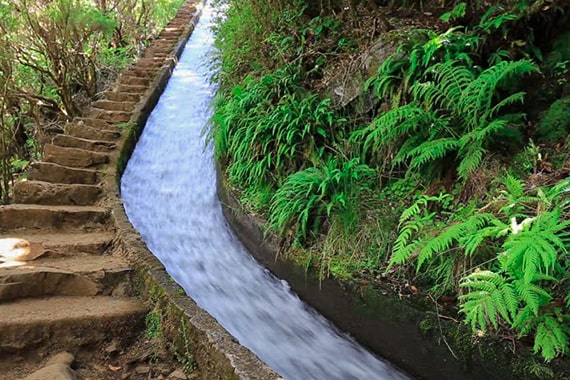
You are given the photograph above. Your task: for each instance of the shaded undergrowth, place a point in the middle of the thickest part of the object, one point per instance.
(452, 178)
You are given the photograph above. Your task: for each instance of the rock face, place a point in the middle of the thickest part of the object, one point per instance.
(347, 86)
(56, 371)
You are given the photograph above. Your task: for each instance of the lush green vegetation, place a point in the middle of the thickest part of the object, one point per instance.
(446, 173)
(56, 56)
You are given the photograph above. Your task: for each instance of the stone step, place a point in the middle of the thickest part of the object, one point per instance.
(50, 172)
(85, 132)
(130, 80)
(110, 105)
(47, 193)
(158, 50)
(131, 89)
(170, 34)
(79, 143)
(114, 117)
(26, 246)
(168, 43)
(168, 40)
(67, 323)
(94, 123)
(73, 157)
(67, 276)
(76, 218)
(121, 96)
(150, 63)
(157, 53)
(143, 71)
(162, 56)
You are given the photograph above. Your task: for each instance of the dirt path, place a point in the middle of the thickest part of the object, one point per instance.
(63, 287)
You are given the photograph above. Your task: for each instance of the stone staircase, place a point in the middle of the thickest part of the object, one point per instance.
(63, 285)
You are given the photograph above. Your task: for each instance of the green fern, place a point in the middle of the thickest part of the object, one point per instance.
(270, 127)
(455, 114)
(468, 234)
(411, 59)
(431, 150)
(389, 127)
(494, 20)
(552, 338)
(412, 222)
(307, 197)
(478, 96)
(534, 247)
(527, 231)
(490, 297)
(470, 231)
(457, 12)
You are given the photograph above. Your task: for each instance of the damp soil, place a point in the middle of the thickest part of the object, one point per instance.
(143, 359)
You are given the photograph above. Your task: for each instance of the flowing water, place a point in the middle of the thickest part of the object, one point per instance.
(169, 192)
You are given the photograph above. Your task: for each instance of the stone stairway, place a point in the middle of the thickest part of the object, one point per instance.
(63, 285)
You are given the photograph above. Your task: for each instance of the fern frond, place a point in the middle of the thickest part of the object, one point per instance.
(535, 249)
(440, 243)
(429, 93)
(384, 83)
(402, 251)
(517, 97)
(533, 295)
(514, 187)
(431, 150)
(446, 89)
(476, 229)
(415, 209)
(478, 95)
(389, 126)
(470, 160)
(551, 338)
(489, 297)
(525, 320)
(411, 142)
(412, 224)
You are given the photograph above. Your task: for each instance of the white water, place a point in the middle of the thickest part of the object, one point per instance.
(169, 192)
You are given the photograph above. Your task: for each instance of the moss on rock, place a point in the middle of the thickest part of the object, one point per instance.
(555, 125)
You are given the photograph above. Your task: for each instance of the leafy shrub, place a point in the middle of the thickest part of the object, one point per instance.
(452, 115)
(271, 127)
(308, 196)
(412, 58)
(59, 41)
(524, 246)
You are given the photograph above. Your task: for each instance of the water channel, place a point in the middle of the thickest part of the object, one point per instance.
(169, 193)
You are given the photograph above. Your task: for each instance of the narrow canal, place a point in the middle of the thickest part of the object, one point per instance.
(169, 192)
